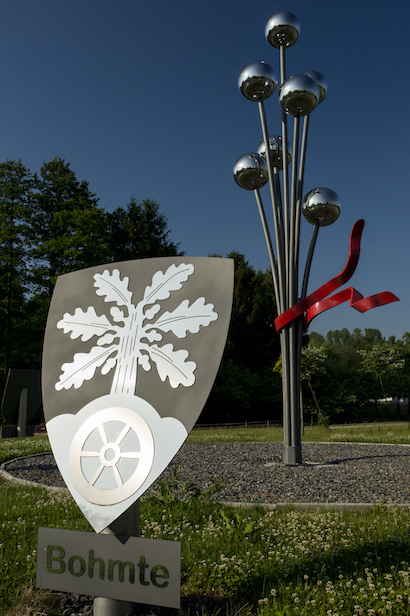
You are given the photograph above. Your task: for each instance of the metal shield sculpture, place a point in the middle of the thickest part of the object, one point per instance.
(130, 355)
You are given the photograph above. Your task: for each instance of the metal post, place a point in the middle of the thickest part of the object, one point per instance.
(127, 525)
(22, 418)
(277, 214)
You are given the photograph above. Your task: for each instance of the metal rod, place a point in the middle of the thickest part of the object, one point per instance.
(300, 321)
(282, 64)
(278, 194)
(276, 209)
(293, 278)
(22, 417)
(285, 194)
(294, 455)
(287, 355)
(126, 525)
(300, 188)
(268, 240)
(284, 344)
(299, 342)
(294, 363)
(309, 260)
(285, 172)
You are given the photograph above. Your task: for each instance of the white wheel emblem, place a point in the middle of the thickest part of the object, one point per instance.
(111, 456)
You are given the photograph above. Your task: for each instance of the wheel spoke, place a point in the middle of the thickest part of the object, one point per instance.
(123, 434)
(103, 435)
(96, 474)
(135, 455)
(89, 454)
(117, 476)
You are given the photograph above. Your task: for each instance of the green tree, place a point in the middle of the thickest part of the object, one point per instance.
(312, 365)
(139, 230)
(51, 224)
(345, 388)
(246, 388)
(381, 361)
(67, 232)
(403, 378)
(68, 227)
(16, 184)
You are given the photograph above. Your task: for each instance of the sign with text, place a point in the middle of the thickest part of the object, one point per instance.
(131, 351)
(138, 570)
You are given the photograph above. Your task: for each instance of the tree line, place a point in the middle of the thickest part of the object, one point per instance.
(51, 224)
(345, 373)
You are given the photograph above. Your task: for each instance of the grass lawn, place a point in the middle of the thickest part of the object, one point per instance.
(288, 562)
(397, 432)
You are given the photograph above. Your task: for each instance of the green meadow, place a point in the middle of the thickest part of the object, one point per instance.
(254, 561)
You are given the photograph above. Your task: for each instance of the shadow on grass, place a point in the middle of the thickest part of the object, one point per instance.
(346, 562)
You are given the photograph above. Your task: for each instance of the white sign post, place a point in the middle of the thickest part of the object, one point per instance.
(131, 352)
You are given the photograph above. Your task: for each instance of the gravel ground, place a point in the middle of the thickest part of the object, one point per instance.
(341, 473)
(253, 473)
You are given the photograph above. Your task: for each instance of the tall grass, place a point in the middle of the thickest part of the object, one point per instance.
(288, 562)
(292, 563)
(282, 563)
(16, 447)
(22, 511)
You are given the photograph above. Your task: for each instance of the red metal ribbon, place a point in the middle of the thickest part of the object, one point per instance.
(315, 303)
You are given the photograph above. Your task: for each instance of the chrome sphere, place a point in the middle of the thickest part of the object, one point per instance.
(275, 145)
(299, 95)
(257, 81)
(321, 206)
(282, 28)
(321, 82)
(250, 171)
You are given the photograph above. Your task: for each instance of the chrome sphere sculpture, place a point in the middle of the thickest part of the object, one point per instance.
(282, 29)
(250, 171)
(299, 95)
(276, 149)
(321, 82)
(321, 206)
(257, 81)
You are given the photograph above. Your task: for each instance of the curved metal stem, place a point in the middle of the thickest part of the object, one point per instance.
(268, 240)
(277, 218)
(300, 188)
(285, 177)
(293, 274)
(309, 260)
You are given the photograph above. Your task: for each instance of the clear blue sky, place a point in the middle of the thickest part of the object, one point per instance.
(141, 99)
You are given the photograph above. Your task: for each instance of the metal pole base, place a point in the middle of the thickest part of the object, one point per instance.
(22, 419)
(112, 607)
(292, 455)
(127, 525)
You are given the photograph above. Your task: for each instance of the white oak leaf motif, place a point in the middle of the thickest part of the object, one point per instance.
(118, 315)
(109, 364)
(187, 318)
(143, 361)
(113, 288)
(107, 339)
(85, 324)
(83, 367)
(172, 365)
(153, 336)
(151, 312)
(135, 343)
(163, 284)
